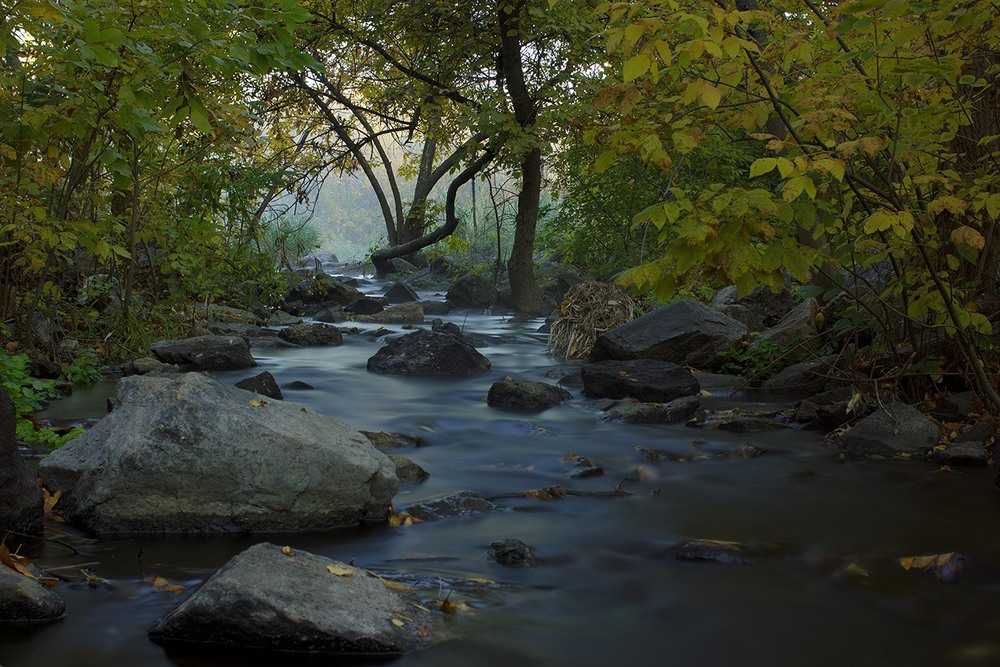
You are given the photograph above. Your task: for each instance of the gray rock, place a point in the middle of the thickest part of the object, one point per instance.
(751, 319)
(795, 335)
(955, 407)
(144, 365)
(472, 291)
(366, 305)
(280, 318)
(404, 313)
(330, 314)
(20, 497)
(968, 448)
(205, 353)
(263, 599)
(461, 504)
(764, 306)
(320, 261)
(642, 379)
(439, 326)
(524, 395)
(407, 470)
(829, 410)
(897, 428)
(190, 454)
(720, 383)
(312, 335)
(24, 600)
(678, 410)
(512, 553)
(402, 266)
(263, 384)
(435, 307)
(684, 332)
(319, 288)
(401, 293)
(428, 353)
(807, 377)
(386, 440)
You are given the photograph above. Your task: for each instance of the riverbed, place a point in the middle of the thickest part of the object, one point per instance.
(608, 590)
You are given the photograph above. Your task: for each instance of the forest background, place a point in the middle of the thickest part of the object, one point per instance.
(158, 154)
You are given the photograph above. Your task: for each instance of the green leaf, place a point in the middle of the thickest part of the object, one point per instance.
(635, 67)
(762, 166)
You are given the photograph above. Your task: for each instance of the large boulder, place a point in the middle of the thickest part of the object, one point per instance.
(642, 379)
(428, 353)
(274, 599)
(321, 288)
(807, 377)
(20, 497)
(401, 293)
(403, 313)
(24, 600)
(525, 395)
(472, 291)
(684, 332)
(205, 353)
(897, 428)
(189, 454)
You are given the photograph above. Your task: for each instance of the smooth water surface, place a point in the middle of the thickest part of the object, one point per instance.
(608, 593)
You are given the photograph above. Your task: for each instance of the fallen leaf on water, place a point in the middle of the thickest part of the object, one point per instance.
(944, 469)
(857, 570)
(161, 584)
(944, 566)
(402, 519)
(449, 607)
(287, 551)
(258, 403)
(484, 582)
(340, 570)
(398, 623)
(420, 607)
(395, 585)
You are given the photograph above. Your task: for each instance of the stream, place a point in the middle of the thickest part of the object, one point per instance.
(608, 592)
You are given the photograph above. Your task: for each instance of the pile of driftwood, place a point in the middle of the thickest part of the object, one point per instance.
(590, 309)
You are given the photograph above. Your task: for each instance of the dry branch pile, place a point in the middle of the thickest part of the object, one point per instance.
(590, 309)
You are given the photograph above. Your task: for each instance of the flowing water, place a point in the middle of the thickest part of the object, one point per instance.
(608, 592)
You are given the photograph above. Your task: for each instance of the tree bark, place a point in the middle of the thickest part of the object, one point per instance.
(525, 293)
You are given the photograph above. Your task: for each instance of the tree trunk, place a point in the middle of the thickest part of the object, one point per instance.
(525, 293)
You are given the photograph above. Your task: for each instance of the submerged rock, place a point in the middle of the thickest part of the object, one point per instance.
(404, 313)
(678, 410)
(208, 353)
(266, 599)
(189, 454)
(24, 600)
(461, 504)
(512, 553)
(428, 353)
(524, 395)
(725, 552)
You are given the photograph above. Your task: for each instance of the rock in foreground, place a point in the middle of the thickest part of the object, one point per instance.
(896, 429)
(265, 599)
(24, 600)
(428, 353)
(189, 454)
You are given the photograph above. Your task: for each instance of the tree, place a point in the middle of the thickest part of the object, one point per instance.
(887, 153)
(128, 143)
(457, 77)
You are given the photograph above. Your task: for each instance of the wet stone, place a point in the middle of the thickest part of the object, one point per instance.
(462, 504)
(512, 553)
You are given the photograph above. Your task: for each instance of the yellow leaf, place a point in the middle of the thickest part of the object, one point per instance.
(635, 67)
(258, 403)
(340, 570)
(968, 237)
(398, 623)
(710, 96)
(287, 551)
